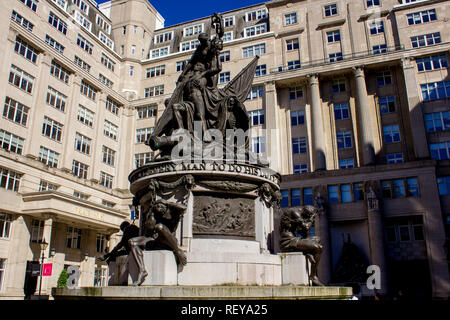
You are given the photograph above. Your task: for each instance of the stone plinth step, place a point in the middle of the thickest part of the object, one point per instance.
(203, 293)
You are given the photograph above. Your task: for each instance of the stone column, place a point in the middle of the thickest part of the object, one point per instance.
(364, 118)
(318, 134)
(376, 238)
(323, 233)
(272, 128)
(415, 109)
(47, 236)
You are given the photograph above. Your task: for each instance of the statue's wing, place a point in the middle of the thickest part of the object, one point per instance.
(241, 85)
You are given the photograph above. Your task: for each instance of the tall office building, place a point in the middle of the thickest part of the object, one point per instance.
(350, 102)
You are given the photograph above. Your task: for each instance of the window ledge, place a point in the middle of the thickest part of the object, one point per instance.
(333, 23)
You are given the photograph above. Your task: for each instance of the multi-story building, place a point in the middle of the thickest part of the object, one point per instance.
(353, 97)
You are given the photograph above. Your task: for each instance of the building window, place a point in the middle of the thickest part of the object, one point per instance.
(346, 193)
(334, 36)
(387, 104)
(308, 199)
(432, 63)
(80, 195)
(11, 142)
(154, 91)
(443, 185)
(255, 50)
(384, 78)
(358, 191)
(372, 3)
(103, 24)
(192, 30)
(48, 157)
(341, 111)
(189, 45)
(155, 71)
(83, 65)
(56, 99)
(440, 151)
(84, 7)
(73, 238)
(338, 86)
(79, 169)
(100, 277)
(290, 18)
(59, 72)
(32, 4)
(143, 134)
(228, 21)
(47, 186)
(412, 187)
(346, 163)
(284, 203)
(297, 118)
(300, 168)
(37, 230)
(435, 90)
(146, 112)
(82, 143)
(256, 92)
(5, 225)
(21, 79)
(160, 52)
(295, 64)
(295, 93)
(224, 57)
(52, 129)
(379, 49)
(256, 117)
(109, 156)
(256, 15)
(85, 23)
(254, 30)
(344, 139)
(110, 130)
(141, 159)
(292, 44)
(112, 106)
(85, 116)
(421, 17)
(333, 57)
(22, 21)
(400, 188)
(437, 121)
(9, 179)
(331, 10)
(299, 145)
(84, 44)
(394, 158)
(259, 145)
(106, 180)
(108, 204)
(163, 37)
(260, 70)
(106, 81)
(391, 134)
(107, 62)
(296, 199)
(25, 50)
(101, 243)
(376, 27)
(55, 21)
(426, 40)
(224, 77)
(333, 194)
(88, 90)
(15, 111)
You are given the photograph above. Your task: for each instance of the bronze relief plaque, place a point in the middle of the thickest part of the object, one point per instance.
(225, 216)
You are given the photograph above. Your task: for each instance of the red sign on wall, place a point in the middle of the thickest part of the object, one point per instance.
(47, 269)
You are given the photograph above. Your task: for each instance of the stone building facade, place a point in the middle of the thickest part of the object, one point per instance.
(349, 102)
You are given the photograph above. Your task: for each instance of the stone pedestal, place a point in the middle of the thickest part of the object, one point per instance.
(294, 269)
(160, 265)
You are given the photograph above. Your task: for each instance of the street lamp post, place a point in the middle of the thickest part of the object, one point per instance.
(43, 246)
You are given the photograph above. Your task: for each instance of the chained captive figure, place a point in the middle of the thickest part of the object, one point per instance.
(122, 248)
(299, 222)
(158, 234)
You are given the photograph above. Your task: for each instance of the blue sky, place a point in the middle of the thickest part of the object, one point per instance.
(177, 11)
